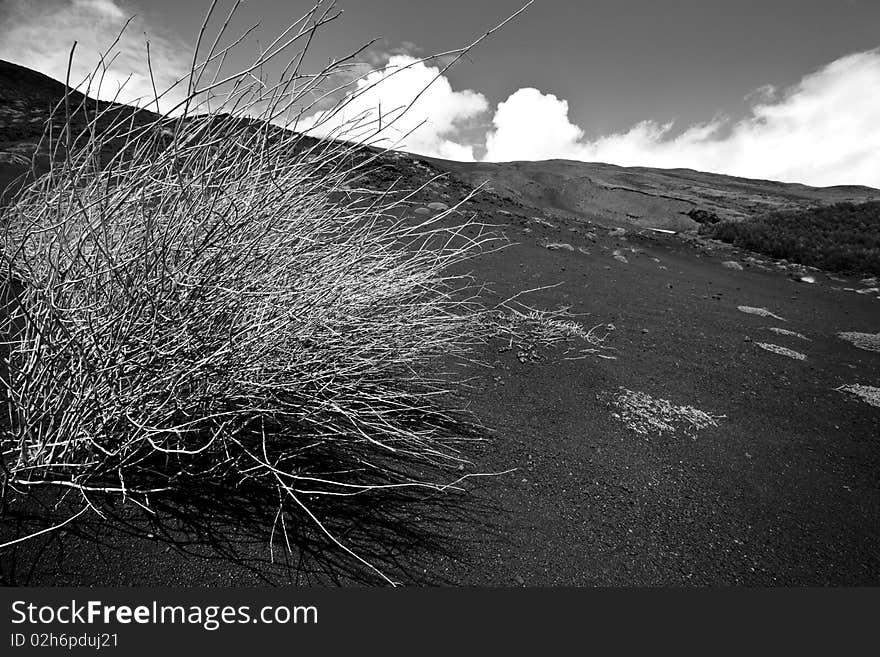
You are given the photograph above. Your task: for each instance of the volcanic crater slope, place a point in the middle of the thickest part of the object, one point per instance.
(671, 199)
(729, 436)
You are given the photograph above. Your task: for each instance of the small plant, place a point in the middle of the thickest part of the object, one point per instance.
(528, 330)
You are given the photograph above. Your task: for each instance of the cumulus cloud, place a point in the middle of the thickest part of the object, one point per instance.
(433, 124)
(822, 131)
(531, 125)
(39, 35)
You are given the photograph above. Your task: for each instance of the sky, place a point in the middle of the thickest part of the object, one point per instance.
(780, 89)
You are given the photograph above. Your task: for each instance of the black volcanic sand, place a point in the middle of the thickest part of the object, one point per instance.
(783, 492)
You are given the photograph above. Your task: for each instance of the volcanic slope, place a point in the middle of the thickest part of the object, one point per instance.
(721, 445)
(641, 197)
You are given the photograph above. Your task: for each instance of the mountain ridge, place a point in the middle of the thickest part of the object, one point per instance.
(641, 197)
(646, 197)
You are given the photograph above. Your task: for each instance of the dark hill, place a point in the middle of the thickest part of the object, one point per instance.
(29, 101)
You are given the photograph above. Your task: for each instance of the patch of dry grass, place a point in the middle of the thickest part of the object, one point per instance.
(529, 330)
(866, 341)
(869, 394)
(646, 415)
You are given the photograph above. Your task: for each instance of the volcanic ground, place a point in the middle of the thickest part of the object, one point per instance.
(719, 438)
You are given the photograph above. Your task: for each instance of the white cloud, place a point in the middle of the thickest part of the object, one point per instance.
(107, 8)
(39, 35)
(823, 131)
(531, 125)
(432, 126)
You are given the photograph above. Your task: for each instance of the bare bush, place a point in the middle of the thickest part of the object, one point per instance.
(202, 298)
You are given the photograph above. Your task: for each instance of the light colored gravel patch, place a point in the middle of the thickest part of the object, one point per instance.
(782, 351)
(559, 246)
(791, 334)
(760, 312)
(869, 394)
(646, 415)
(866, 341)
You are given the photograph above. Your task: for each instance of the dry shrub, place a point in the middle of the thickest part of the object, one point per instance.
(210, 305)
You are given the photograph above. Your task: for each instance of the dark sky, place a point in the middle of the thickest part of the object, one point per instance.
(615, 61)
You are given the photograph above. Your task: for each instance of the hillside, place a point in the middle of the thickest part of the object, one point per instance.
(27, 101)
(604, 193)
(731, 439)
(643, 197)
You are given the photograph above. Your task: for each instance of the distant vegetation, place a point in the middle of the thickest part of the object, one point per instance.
(703, 216)
(844, 237)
